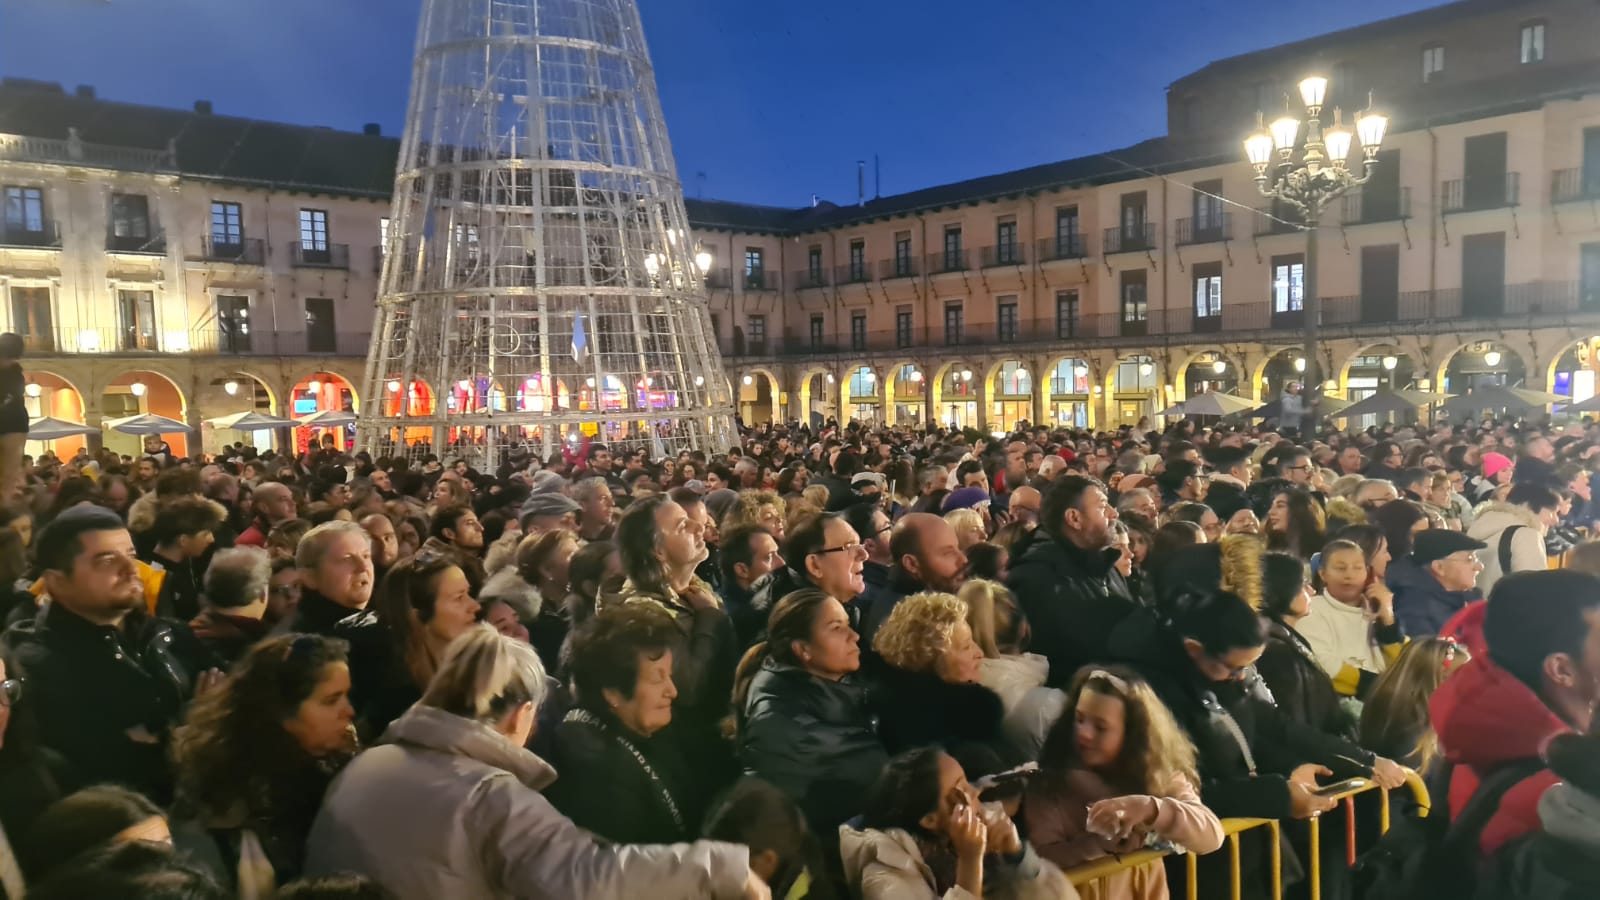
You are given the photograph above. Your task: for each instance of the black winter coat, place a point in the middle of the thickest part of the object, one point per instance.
(1301, 688)
(919, 709)
(381, 687)
(815, 739)
(602, 786)
(1073, 599)
(90, 685)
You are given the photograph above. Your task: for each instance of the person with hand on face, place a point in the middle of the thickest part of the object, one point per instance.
(617, 779)
(1117, 775)
(661, 546)
(336, 578)
(255, 756)
(105, 681)
(1350, 627)
(924, 834)
(450, 804)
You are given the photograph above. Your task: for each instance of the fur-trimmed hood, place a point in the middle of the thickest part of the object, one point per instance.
(1494, 516)
(1345, 511)
(508, 586)
(1241, 566)
(143, 512)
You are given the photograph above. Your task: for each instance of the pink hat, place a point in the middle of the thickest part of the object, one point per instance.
(1493, 463)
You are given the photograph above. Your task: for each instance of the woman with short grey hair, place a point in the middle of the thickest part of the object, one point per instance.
(450, 804)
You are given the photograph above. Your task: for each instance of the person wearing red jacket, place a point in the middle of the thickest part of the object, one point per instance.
(1540, 678)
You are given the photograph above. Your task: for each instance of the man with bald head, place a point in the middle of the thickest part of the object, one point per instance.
(274, 505)
(1025, 504)
(925, 557)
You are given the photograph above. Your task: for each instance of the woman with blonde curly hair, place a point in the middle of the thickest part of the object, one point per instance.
(1117, 774)
(758, 507)
(255, 756)
(929, 688)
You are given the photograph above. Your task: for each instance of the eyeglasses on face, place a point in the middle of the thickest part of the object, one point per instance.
(849, 549)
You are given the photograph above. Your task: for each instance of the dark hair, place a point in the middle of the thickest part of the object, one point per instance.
(1367, 536)
(685, 497)
(736, 549)
(232, 748)
(807, 538)
(184, 517)
(906, 790)
(1534, 495)
(762, 817)
(11, 345)
(1174, 535)
(176, 481)
(859, 516)
(60, 542)
(1188, 511)
(793, 618)
(78, 823)
(1410, 477)
(1396, 520)
(334, 887)
(1219, 620)
(1305, 535)
(446, 518)
(129, 870)
(587, 565)
(1534, 615)
(1176, 472)
(607, 649)
(983, 560)
(636, 539)
(1283, 577)
(1065, 493)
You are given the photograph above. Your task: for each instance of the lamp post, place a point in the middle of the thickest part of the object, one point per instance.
(1309, 184)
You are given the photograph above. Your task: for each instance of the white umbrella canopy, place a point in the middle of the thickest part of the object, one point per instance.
(50, 429)
(1175, 409)
(327, 418)
(148, 423)
(1215, 403)
(251, 420)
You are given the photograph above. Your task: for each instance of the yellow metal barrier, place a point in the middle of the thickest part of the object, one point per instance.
(1099, 870)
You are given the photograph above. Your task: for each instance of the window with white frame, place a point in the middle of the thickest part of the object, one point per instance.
(1532, 44)
(314, 229)
(1207, 290)
(1288, 283)
(1432, 62)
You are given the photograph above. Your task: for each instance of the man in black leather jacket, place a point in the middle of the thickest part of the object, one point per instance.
(104, 679)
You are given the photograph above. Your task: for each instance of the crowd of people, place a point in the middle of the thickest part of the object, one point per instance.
(841, 661)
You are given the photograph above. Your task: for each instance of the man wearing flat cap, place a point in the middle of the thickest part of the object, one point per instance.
(1435, 581)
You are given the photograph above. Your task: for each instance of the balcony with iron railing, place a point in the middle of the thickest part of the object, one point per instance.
(239, 341)
(46, 237)
(897, 267)
(1272, 220)
(23, 148)
(759, 280)
(806, 279)
(720, 278)
(1210, 229)
(1438, 310)
(238, 251)
(151, 244)
(1009, 254)
(1364, 207)
(1479, 192)
(1569, 185)
(857, 272)
(1130, 239)
(949, 260)
(1062, 246)
(319, 255)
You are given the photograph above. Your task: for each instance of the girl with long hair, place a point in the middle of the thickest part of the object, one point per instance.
(1394, 721)
(256, 754)
(1351, 627)
(923, 834)
(1295, 523)
(1117, 775)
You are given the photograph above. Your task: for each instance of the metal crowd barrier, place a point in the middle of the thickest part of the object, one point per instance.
(1099, 870)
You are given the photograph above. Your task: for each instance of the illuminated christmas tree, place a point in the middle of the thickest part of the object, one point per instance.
(539, 277)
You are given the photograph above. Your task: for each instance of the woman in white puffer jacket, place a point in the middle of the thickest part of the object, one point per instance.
(1530, 509)
(1017, 677)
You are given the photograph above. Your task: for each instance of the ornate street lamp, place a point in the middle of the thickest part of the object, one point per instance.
(1307, 186)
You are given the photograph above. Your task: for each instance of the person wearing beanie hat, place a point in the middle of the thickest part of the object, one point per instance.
(965, 498)
(1435, 581)
(543, 511)
(1497, 470)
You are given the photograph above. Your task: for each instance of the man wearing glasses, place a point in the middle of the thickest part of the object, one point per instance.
(1441, 578)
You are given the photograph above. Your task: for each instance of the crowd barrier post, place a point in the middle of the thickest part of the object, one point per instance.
(1419, 792)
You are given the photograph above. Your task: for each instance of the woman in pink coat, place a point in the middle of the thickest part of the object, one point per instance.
(1117, 775)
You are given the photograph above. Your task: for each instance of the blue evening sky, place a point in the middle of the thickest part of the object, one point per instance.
(766, 101)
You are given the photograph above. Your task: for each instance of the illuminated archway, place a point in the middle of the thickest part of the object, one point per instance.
(816, 392)
(758, 397)
(322, 392)
(1069, 385)
(1135, 388)
(863, 402)
(245, 392)
(143, 391)
(1480, 364)
(908, 386)
(47, 394)
(1010, 385)
(956, 389)
(1281, 368)
(1575, 371)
